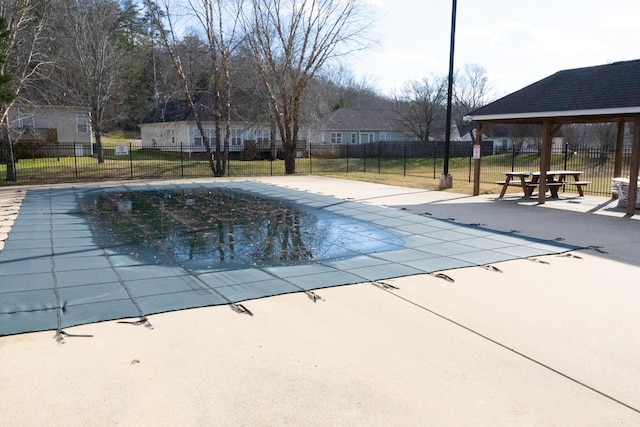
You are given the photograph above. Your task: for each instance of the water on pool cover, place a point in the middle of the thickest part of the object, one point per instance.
(221, 228)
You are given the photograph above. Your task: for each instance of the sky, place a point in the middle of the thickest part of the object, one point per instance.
(518, 42)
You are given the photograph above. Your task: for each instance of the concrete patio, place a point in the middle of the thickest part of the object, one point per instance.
(536, 343)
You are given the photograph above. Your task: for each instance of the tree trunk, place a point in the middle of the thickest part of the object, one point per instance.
(217, 100)
(12, 173)
(9, 157)
(289, 148)
(99, 151)
(272, 141)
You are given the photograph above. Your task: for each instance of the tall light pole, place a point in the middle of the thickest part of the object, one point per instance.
(446, 180)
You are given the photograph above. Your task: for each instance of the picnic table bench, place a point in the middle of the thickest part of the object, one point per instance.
(530, 181)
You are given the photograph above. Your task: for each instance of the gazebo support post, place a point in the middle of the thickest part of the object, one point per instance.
(617, 163)
(476, 162)
(545, 160)
(633, 169)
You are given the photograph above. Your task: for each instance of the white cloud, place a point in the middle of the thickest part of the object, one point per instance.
(612, 19)
(389, 70)
(525, 38)
(516, 44)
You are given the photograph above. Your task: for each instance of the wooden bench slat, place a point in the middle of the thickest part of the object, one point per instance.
(549, 184)
(513, 183)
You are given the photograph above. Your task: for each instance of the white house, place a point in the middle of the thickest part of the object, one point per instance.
(172, 127)
(184, 135)
(66, 126)
(528, 144)
(361, 126)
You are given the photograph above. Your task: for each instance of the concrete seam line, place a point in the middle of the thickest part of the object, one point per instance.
(529, 358)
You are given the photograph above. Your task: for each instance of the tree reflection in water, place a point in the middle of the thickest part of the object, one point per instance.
(205, 228)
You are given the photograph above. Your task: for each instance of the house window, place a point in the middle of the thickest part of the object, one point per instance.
(385, 136)
(82, 123)
(25, 120)
(172, 134)
(197, 138)
(336, 137)
(354, 138)
(262, 136)
(236, 137)
(366, 137)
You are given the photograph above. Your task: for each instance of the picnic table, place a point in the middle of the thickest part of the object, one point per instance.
(557, 179)
(529, 181)
(523, 178)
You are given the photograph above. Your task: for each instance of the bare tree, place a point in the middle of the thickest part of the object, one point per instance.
(421, 105)
(292, 40)
(218, 21)
(343, 90)
(472, 89)
(521, 133)
(575, 134)
(605, 135)
(92, 59)
(22, 56)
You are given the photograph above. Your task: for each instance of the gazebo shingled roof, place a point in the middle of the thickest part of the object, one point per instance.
(604, 90)
(603, 93)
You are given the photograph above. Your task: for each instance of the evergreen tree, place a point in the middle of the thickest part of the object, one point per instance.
(7, 93)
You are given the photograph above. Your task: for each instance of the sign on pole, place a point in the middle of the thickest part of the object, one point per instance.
(122, 150)
(476, 151)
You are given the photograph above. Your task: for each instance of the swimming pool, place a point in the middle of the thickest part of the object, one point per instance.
(82, 255)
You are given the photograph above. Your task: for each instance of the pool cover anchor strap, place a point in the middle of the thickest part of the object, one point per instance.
(492, 268)
(570, 255)
(384, 285)
(142, 321)
(239, 308)
(539, 261)
(313, 296)
(60, 334)
(443, 276)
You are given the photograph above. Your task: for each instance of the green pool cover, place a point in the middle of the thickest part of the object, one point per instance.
(82, 255)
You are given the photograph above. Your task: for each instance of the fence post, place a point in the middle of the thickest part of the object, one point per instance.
(379, 156)
(435, 153)
(347, 158)
(130, 159)
(364, 158)
(470, 161)
(566, 154)
(404, 161)
(310, 166)
(75, 159)
(513, 157)
(181, 160)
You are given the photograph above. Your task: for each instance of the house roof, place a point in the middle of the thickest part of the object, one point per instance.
(178, 110)
(590, 93)
(365, 120)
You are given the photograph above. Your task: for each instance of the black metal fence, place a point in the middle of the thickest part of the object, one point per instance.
(74, 163)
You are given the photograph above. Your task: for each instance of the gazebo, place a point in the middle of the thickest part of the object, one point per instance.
(604, 93)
